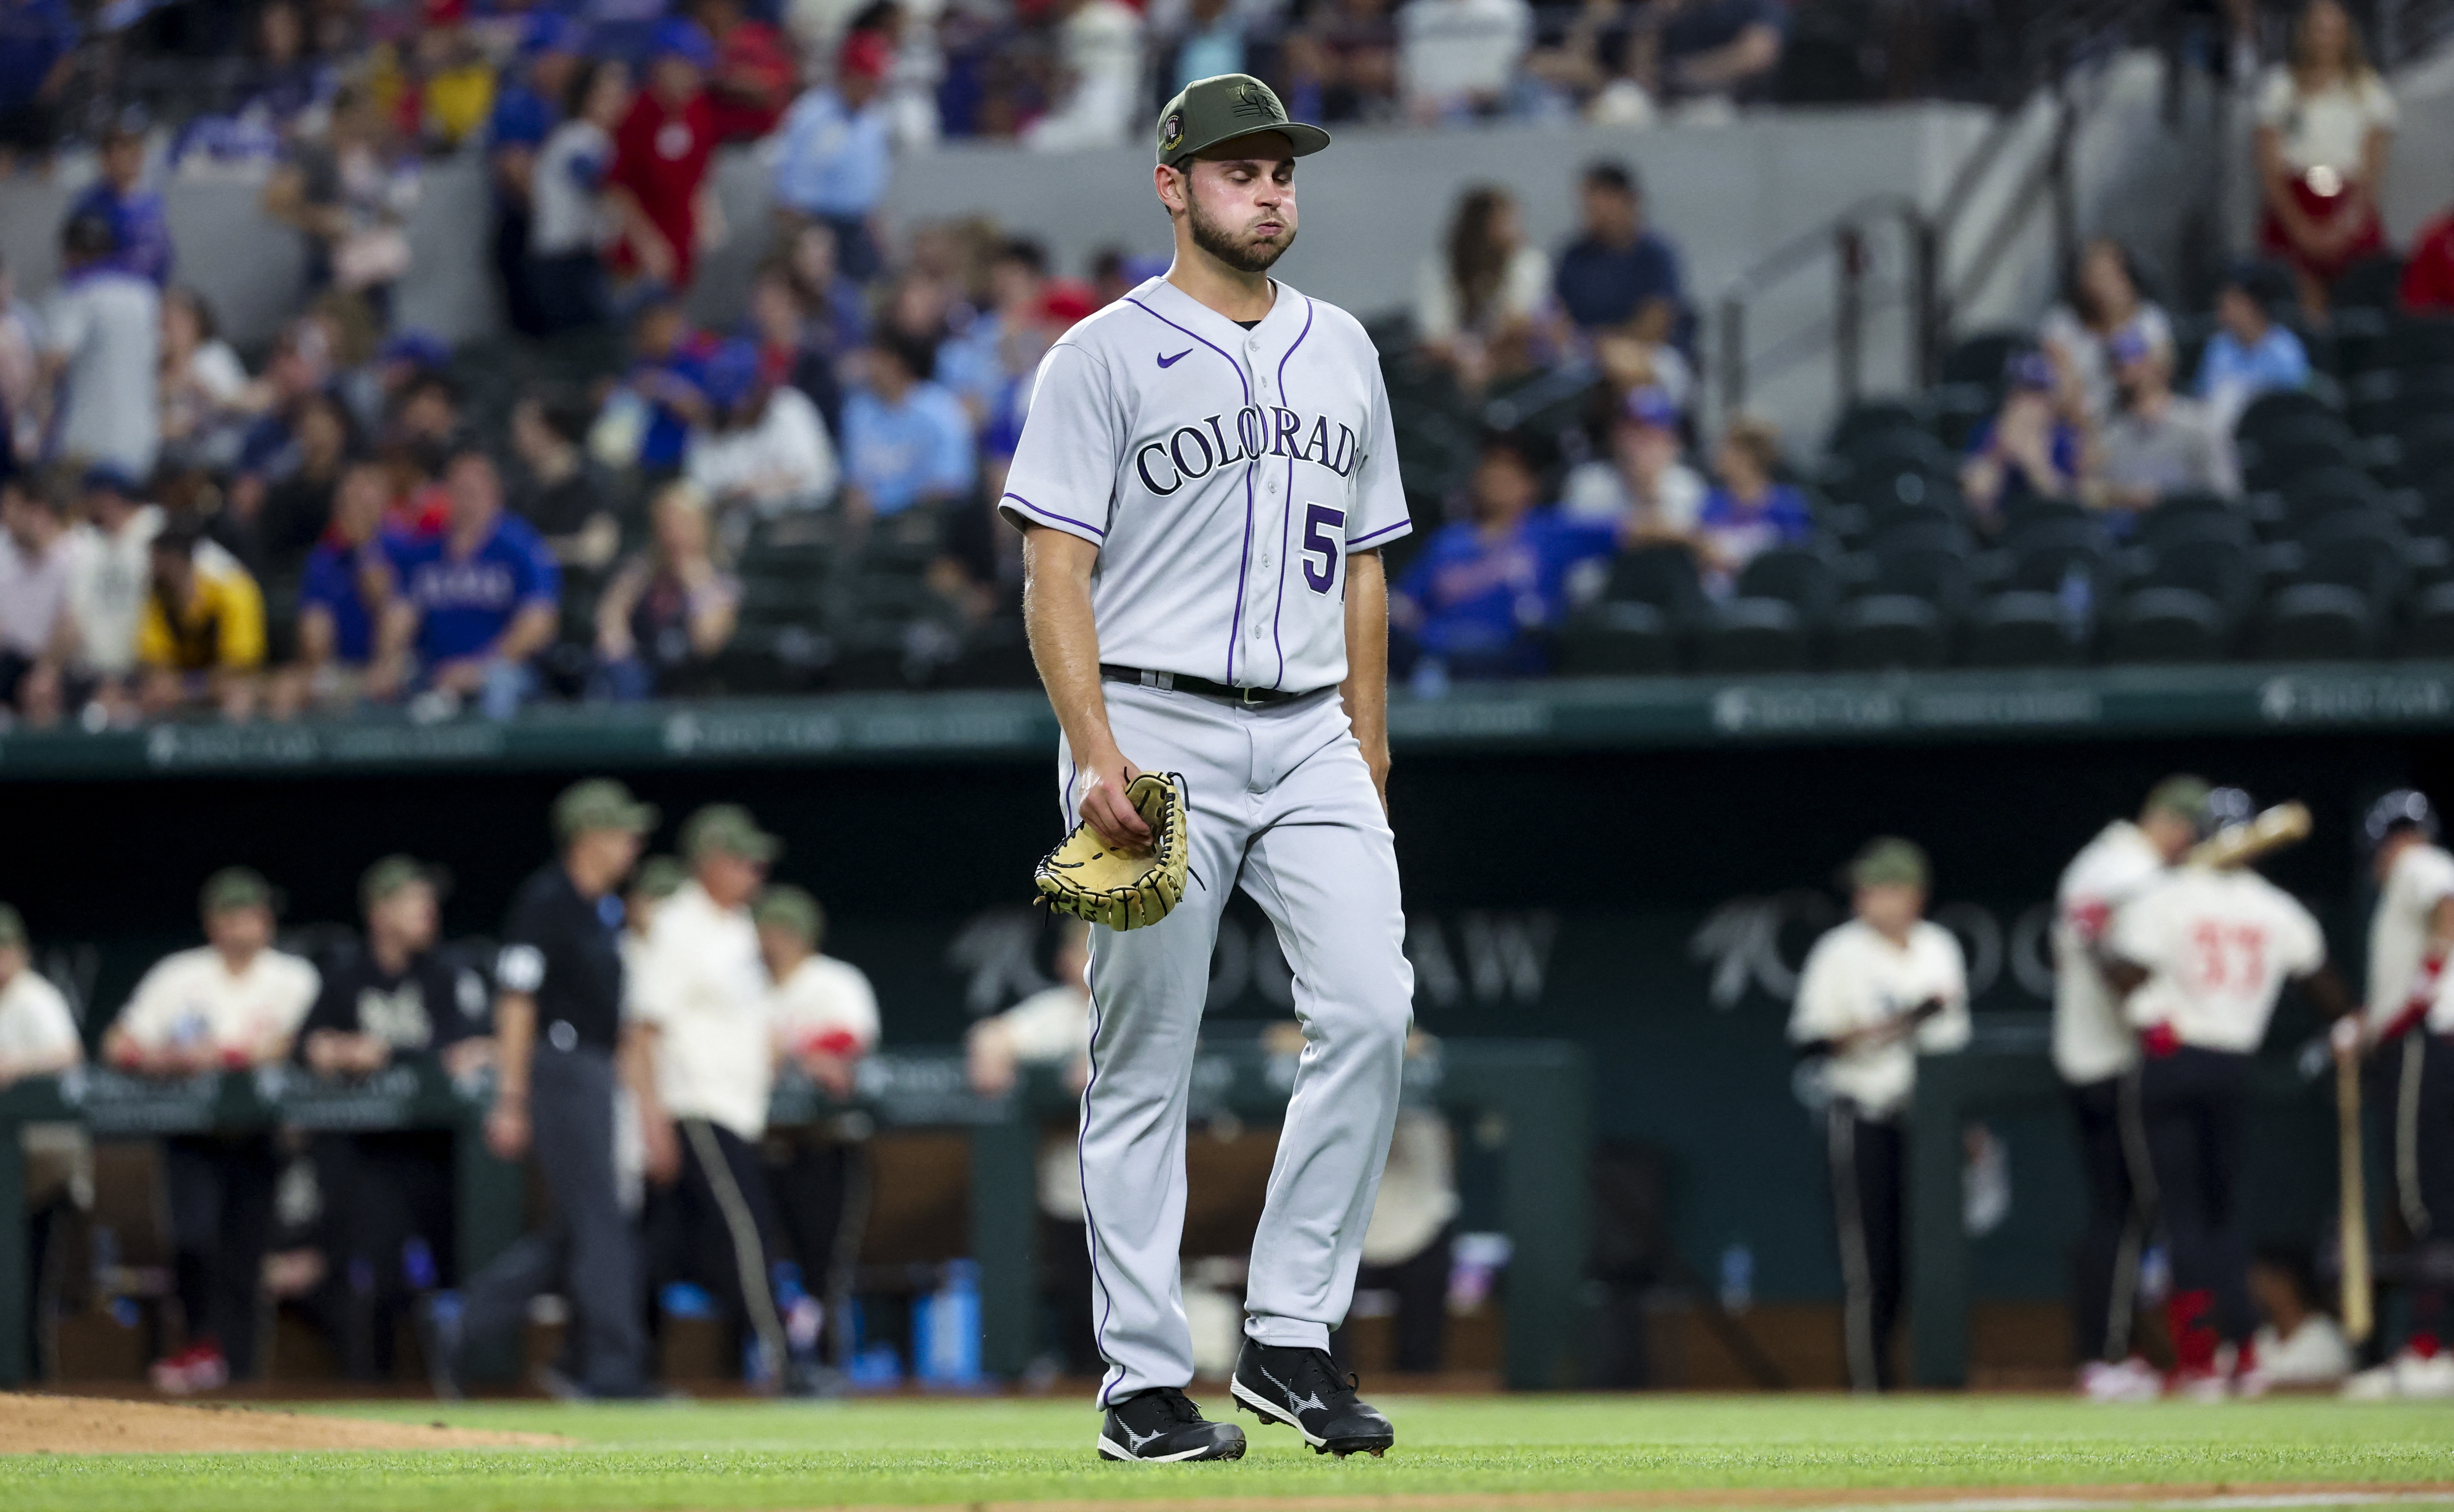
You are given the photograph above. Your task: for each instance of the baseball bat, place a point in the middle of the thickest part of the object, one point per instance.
(2284, 825)
(2353, 1217)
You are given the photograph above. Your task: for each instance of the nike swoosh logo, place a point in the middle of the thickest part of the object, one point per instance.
(1170, 362)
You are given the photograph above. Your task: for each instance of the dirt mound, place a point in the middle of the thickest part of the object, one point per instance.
(37, 1425)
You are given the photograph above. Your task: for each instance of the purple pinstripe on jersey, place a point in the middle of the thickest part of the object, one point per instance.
(1236, 625)
(1287, 509)
(1051, 514)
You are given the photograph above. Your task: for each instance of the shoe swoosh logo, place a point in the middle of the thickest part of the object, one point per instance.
(1170, 362)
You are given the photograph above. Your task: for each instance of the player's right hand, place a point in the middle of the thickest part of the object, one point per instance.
(2344, 1035)
(507, 1131)
(1104, 805)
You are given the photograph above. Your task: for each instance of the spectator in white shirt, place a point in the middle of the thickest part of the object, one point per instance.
(113, 573)
(2325, 121)
(38, 1037)
(570, 226)
(764, 445)
(207, 396)
(2101, 301)
(1100, 50)
(670, 609)
(1481, 298)
(103, 341)
(37, 631)
(232, 1003)
(1458, 59)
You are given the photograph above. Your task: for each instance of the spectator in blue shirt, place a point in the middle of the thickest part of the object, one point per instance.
(1615, 266)
(1486, 590)
(528, 106)
(478, 601)
(836, 153)
(1750, 511)
(906, 440)
(669, 364)
(348, 584)
(38, 42)
(2031, 450)
(2250, 354)
(134, 211)
(1004, 344)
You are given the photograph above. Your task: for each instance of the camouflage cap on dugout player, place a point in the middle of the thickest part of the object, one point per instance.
(1887, 861)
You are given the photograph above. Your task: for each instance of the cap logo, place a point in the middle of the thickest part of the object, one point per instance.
(1171, 132)
(1257, 100)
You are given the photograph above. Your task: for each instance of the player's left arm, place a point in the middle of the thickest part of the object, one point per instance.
(1365, 691)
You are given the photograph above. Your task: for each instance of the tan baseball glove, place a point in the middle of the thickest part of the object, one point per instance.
(1090, 879)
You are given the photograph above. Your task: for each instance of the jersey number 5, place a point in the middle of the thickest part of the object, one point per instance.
(1320, 519)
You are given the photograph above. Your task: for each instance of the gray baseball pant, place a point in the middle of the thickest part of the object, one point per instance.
(1281, 803)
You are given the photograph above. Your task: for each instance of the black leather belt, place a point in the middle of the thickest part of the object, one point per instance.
(1186, 682)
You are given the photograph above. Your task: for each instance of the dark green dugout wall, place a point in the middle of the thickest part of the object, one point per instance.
(1598, 895)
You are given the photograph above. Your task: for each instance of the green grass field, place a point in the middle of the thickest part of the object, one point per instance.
(719, 1456)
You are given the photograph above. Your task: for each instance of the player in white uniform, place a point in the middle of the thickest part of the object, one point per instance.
(2093, 1049)
(1875, 994)
(1204, 481)
(2203, 956)
(2408, 1020)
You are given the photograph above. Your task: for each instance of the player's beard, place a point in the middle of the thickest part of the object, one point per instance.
(1245, 256)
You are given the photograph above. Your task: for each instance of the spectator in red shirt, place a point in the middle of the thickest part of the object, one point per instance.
(2429, 274)
(753, 77)
(658, 188)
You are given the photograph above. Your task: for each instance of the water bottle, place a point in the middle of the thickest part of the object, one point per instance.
(947, 1346)
(1738, 1276)
(2076, 596)
(1431, 679)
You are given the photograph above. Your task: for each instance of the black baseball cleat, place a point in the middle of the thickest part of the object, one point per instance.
(1302, 1389)
(1162, 1425)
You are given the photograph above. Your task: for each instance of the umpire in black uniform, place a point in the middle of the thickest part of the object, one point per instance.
(557, 1028)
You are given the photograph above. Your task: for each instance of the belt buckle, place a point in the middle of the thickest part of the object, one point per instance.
(1252, 697)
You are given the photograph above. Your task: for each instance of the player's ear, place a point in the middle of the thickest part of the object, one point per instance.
(1171, 186)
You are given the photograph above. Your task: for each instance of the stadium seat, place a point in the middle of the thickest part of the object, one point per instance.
(2166, 624)
(1886, 630)
(2221, 570)
(2359, 550)
(1803, 577)
(2329, 489)
(2044, 552)
(2414, 342)
(2021, 629)
(1939, 575)
(1624, 638)
(1754, 635)
(1662, 577)
(2177, 516)
(1981, 358)
(2429, 632)
(1868, 419)
(1896, 476)
(2370, 284)
(2269, 408)
(1959, 409)
(2304, 446)
(2315, 621)
(2033, 510)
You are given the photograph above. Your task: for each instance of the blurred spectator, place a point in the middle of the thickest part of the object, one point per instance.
(763, 446)
(450, 92)
(426, 411)
(38, 563)
(2158, 442)
(1617, 267)
(906, 441)
(1485, 590)
(347, 197)
(2297, 1344)
(1642, 354)
(531, 100)
(200, 635)
(38, 42)
(1750, 511)
(834, 154)
(1478, 300)
(347, 583)
(669, 610)
(271, 526)
(119, 196)
(20, 368)
(563, 498)
(647, 421)
(1458, 59)
(664, 206)
(2101, 301)
(476, 603)
(38, 1037)
(2250, 353)
(2324, 122)
(232, 1003)
(1644, 487)
(102, 335)
(825, 1011)
(207, 397)
(400, 997)
(570, 227)
(2427, 285)
(834, 308)
(110, 585)
(1707, 52)
(1342, 63)
(2031, 450)
(794, 349)
(1099, 62)
(1202, 40)
(1004, 343)
(751, 79)
(285, 79)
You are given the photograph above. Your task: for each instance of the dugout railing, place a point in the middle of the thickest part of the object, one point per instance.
(1537, 1091)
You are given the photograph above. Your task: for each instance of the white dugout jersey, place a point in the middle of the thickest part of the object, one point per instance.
(1224, 474)
(2091, 1040)
(1855, 979)
(2422, 878)
(2217, 947)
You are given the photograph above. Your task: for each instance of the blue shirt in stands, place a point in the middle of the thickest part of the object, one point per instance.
(1475, 599)
(521, 116)
(899, 454)
(139, 226)
(2277, 361)
(465, 604)
(34, 36)
(832, 162)
(1600, 285)
(331, 583)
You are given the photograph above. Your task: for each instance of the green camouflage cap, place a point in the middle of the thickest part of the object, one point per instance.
(660, 877)
(236, 888)
(789, 907)
(600, 803)
(2182, 796)
(728, 828)
(1889, 861)
(1222, 107)
(12, 927)
(391, 874)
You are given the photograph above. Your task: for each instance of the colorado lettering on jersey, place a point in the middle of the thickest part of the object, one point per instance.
(1194, 452)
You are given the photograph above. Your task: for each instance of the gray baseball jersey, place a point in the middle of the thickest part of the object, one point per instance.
(1224, 474)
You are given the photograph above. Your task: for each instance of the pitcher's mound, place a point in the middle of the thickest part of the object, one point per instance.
(37, 1425)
